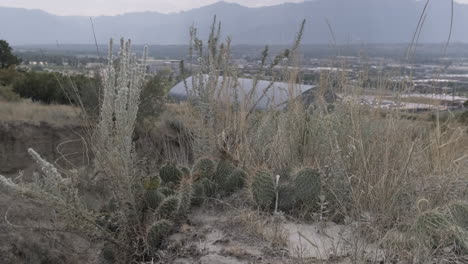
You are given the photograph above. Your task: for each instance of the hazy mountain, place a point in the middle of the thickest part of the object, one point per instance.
(352, 21)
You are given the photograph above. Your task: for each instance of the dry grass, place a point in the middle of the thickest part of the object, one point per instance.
(31, 112)
(376, 164)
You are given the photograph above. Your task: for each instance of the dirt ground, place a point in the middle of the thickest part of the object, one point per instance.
(216, 236)
(27, 236)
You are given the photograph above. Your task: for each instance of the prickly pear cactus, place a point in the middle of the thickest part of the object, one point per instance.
(201, 190)
(283, 171)
(223, 170)
(235, 181)
(185, 194)
(108, 253)
(169, 173)
(307, 186)
(152, 183)
(185, 171)
(168, 207)
(204, 168)
(153, 198)
(263, 189)
(167, 191)
(286, 197)
(157, 232)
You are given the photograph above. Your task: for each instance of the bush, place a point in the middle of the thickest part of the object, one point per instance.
(56, 88)
(8, 76)
(153, 95)
(7, 94)
(463, 118)
(43, 87)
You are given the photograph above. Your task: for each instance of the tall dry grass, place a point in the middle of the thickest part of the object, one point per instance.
(380, 169)
(32, 112)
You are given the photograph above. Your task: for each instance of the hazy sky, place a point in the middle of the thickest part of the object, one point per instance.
(113, 7)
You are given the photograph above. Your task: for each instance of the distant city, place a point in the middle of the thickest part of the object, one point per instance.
(426, 78)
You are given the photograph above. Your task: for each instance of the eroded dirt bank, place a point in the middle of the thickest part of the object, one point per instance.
(61, 144)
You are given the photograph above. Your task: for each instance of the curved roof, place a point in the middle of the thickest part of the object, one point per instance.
(276, 95)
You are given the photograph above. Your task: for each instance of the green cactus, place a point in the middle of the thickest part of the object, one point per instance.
(199, 193)
(235, 181)
(157, 232)
(153, 198)
(167, 191)
(168, 207)
(204, 168)
(185, 171)
(307, 186)
(169, 173)
(286, 197)
(107, 253)
(283, 171)
(186, 194)
(223, 170)
(153, 183)
(263, 189)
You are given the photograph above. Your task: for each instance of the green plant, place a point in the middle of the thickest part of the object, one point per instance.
(168, 208)
(167, 191)
(153, 95)
(186, 195)
(157, 231)
(286, 195)
(234, 181)
(170, 173)
(153, 183)
(307, 186)
(204, 168)
(153, 198)
(263, 189)
(7, 58)
(203, 188)
(459, 213)
(224, 168)
(7, 94)
(216, 180)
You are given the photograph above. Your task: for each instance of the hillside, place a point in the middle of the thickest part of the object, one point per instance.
(357, 21)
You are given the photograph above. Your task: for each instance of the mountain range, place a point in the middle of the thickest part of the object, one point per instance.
(328, 21)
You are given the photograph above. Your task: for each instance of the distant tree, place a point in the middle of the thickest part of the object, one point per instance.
(153, 94)
(8, 76)
(7, 58)
(49, 88)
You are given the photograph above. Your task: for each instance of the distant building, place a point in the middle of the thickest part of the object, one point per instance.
(267, 94)
(155, 65)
